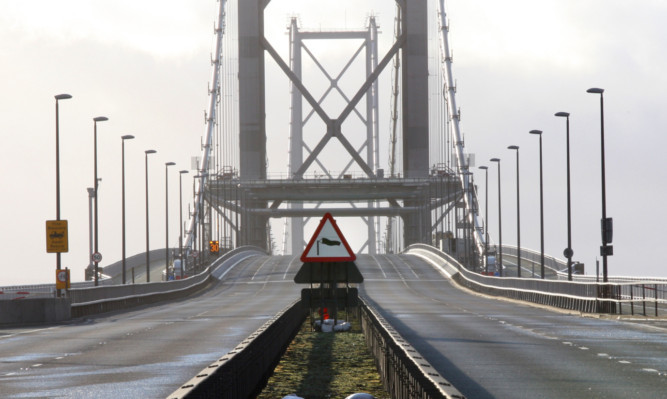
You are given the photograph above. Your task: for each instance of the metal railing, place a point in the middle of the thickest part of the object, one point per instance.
(243, 371)
(403, 371)
(105, 298)
(588, 297)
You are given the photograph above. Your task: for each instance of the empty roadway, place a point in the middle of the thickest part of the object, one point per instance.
(491, 348)
(148, 352)
(487, 348)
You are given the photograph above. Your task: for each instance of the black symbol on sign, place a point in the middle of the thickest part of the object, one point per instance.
(55, 235)
(329, 242)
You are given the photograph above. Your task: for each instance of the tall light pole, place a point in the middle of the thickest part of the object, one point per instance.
(539, 133)
(568, 251)
(500, 224)
(199, 214)
(180, 211)
(518, 213)
(91, 195)
(58, 98)
(486, 218)
(148, 257)
(606, 224)
(95, 194)
(166, 216)
(123, 138)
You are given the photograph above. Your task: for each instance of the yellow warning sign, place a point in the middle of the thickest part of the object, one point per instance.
(56, 236)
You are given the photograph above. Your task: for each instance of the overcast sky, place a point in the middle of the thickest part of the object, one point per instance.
(146, 66)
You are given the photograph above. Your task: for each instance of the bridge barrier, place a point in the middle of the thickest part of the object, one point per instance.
(587, 297)
(243, 371)
(403, 371)
(34, 310)
(92, 300)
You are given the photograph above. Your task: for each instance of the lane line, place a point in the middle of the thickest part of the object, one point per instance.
(289, 266)
(260, 267)
(379, 265)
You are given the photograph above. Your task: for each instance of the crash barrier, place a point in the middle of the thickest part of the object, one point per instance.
(404, 372)
(555, 265)
(115, 269)
(559, 266)
(34, 310)
(244, 371)
(647, 298)
(93, 300)
(27, 292)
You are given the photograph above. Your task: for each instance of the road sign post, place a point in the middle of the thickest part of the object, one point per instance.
(328, 260)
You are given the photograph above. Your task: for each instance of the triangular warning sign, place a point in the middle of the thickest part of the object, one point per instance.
(327, 244)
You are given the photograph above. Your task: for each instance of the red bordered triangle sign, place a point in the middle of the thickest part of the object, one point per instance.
(328, 244)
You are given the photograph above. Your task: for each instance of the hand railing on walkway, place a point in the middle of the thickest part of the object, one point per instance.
(640, 297)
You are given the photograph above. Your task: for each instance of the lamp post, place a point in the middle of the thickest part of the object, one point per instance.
(606, 224)
(91, 195)
(180, 207)
(166, 216)
(500, 224)
(200, 214)
(148, 257)
(539, 133)
(486, 218)
(518, 213)
(58, 98)
(95, 193)
(568, 251)
(123, 138)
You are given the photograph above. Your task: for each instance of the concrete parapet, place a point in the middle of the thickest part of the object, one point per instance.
(35, 311)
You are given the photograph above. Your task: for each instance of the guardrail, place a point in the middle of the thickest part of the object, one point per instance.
(101, 299)
(587, 297)
(404, 372)
(242, 372)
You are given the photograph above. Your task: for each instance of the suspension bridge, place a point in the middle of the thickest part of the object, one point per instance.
(425, 248)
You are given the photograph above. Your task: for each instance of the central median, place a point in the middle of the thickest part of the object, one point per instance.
(244, 371)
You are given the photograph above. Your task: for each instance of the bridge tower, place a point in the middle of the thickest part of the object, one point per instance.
(413, 45)
(367, 154)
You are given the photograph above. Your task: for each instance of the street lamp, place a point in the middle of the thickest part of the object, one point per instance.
(486, 218)
(518, 213)
(91, 195)
(123, 138)
(148, 257)
(166, 216)
(180, 207)
(539, 133)
(500, 224)
(607, 227)
(199, 215)
(58, 98)
(95, 193)
(568, 251)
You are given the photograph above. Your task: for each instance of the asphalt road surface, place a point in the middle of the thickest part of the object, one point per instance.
(489, 348)
(149, 352)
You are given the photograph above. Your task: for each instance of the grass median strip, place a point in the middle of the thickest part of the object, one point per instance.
(325, 365)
